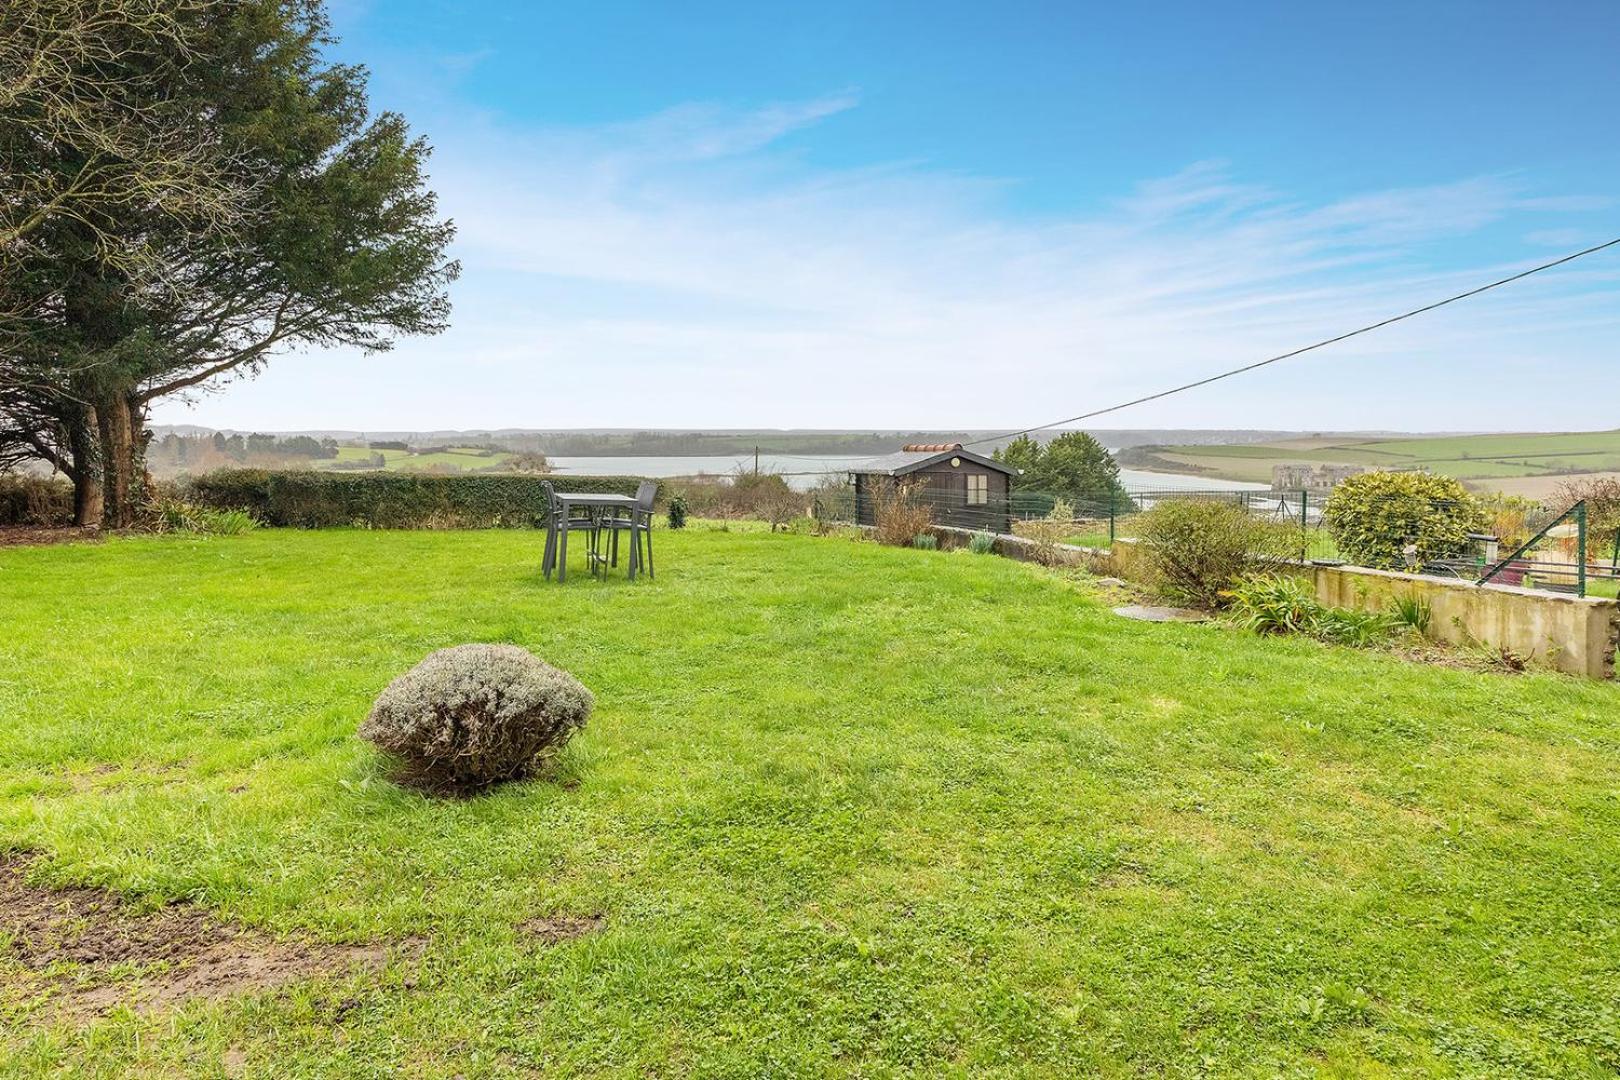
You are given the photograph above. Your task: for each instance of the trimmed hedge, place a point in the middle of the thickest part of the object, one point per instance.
(35, 500)
(386, 500)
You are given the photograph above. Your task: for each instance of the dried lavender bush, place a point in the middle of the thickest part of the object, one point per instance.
(473, 715)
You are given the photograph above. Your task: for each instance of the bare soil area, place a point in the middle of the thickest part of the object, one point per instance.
(69, 941)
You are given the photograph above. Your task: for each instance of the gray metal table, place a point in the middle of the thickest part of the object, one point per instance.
(596, 502)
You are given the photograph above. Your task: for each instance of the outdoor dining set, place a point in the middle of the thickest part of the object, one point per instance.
(603, 517)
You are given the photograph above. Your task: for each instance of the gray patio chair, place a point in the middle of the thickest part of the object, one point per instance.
(639, 524)
(556, 524)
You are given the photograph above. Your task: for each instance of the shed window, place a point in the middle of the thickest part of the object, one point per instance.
(978, 491)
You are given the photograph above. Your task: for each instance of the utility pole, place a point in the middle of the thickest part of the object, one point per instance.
(756, 461)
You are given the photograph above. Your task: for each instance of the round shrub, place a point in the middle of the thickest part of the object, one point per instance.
(473, 715)
(1374, 516)
(1198, 548)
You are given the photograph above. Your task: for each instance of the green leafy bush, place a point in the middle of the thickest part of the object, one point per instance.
(174, 516)
(1375, 516)
(677, 511)
(1283, 604)
(1346, 626)
(925, 541)
(305, 499)
(35, 500)
(982, 543)
(472, 715)
(1412, 612)
(1199, 548)
(1274, 604)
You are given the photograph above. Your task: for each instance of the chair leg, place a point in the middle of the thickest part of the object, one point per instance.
(550, 552)
(646, 530)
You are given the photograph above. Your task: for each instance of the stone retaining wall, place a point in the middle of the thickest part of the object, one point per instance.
(1574, 634)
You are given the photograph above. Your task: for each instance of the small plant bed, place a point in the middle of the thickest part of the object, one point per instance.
(1281, 604)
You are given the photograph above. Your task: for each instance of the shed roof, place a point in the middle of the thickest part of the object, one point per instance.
(910, 460)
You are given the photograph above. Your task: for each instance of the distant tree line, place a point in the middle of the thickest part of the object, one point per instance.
(174, 453)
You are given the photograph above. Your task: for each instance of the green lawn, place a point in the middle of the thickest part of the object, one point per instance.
(845, 810)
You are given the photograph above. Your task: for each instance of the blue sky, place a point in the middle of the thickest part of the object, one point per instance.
(945, 214)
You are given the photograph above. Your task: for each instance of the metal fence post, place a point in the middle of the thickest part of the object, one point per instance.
(1113, 496)
(1304, 536)
(1580, 549)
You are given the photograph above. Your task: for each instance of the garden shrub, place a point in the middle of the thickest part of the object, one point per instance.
(170, 515)
(925, 541)
(1412, 612)
(1274, 604)
(307, 499)
(1602, 497)
(898, 511)
(470, 716)
(1373, 517)
(677, 511)
(982, 543)
(1510, 518)
(1046, 533)
(1283, 604)
(35, 500)
(1199, 548)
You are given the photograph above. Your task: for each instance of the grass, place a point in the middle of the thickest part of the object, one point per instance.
(1466, 457)
(845, 810)
(465, 458)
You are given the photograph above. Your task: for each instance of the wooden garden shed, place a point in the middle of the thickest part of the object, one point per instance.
(962, 488)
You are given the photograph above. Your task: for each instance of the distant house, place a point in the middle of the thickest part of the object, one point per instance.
(1296, 476)
(962, 488)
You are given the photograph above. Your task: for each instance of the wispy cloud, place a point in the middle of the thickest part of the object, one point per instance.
(692, 269)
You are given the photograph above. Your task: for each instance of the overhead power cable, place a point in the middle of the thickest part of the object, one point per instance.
(1297, 352)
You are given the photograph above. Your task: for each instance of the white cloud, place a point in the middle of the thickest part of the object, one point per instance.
(691, 269)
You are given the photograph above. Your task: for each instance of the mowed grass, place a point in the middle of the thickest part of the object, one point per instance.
(844, 810)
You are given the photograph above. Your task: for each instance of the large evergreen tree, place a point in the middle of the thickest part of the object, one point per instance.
(339, 243)
(1074, 466)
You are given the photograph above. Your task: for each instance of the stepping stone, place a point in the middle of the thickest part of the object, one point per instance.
(1110, 582)
(1148, 613)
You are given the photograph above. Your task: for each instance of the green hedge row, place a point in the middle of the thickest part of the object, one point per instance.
(35, 500)
(387, 500)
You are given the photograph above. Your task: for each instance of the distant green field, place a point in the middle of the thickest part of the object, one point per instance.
(458, 457)
(1467, 457)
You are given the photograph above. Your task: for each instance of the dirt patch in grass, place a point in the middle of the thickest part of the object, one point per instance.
(31, 535)
(87, 952)
(559, 928)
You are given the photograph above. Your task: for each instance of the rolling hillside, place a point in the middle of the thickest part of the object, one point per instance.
(1526, 462)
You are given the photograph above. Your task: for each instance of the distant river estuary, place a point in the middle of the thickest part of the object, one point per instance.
(804, 472)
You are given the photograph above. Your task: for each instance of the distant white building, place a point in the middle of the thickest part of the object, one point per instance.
(1302, 476)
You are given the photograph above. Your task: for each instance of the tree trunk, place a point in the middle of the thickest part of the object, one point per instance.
(121, 444)
(84, 444)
